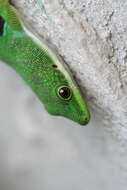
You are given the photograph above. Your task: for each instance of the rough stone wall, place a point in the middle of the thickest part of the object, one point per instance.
(92, 38)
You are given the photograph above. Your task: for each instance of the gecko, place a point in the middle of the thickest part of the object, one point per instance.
(45, 72)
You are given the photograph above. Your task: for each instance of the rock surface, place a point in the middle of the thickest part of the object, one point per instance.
(39, 151)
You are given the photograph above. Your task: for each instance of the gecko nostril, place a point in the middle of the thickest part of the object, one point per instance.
(86, 119)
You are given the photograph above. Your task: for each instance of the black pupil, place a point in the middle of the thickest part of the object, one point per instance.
(1, 26)
(65, 92)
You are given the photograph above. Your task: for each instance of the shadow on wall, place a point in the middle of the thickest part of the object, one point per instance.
(40, 151)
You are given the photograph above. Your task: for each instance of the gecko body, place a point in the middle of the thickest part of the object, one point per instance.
(40, 67)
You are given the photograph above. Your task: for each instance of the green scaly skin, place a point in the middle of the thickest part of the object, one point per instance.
(40, 67)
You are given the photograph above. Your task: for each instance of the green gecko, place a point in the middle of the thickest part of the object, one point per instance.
(40, 67)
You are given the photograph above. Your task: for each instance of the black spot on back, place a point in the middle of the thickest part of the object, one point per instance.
(55, 66)
(2, 21)
(10, 2)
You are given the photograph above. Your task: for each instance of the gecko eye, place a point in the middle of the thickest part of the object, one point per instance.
(64, 92)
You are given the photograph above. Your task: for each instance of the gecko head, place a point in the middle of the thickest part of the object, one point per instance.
(66, 100)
